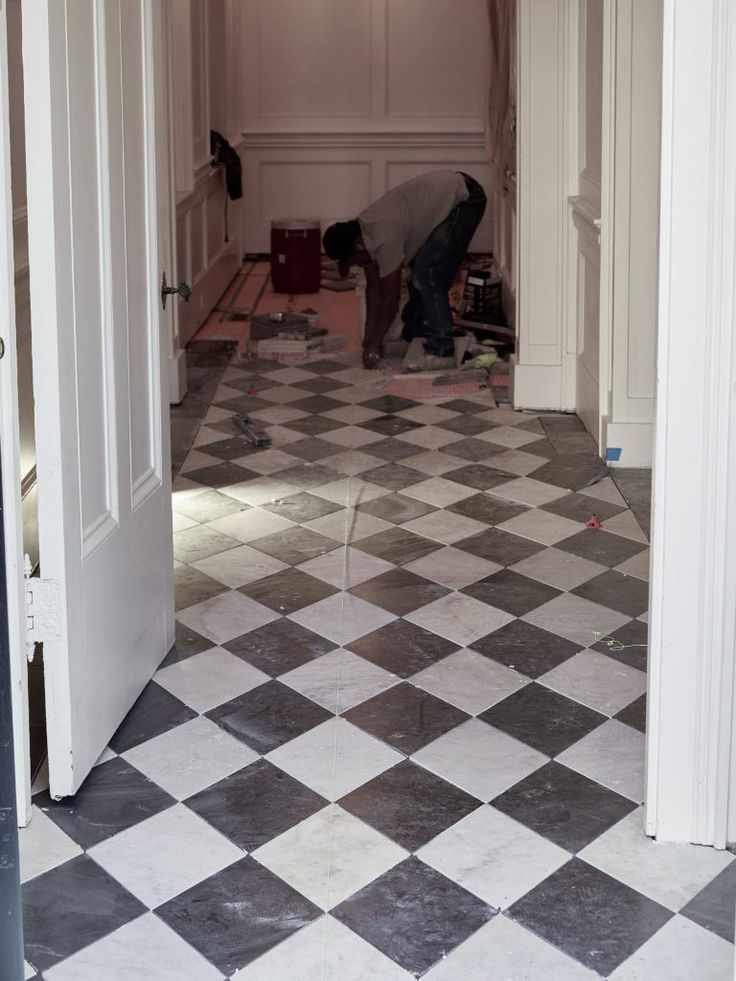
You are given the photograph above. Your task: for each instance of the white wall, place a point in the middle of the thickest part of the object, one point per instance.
(344, 100)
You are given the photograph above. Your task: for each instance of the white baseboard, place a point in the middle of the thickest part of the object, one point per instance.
(177, 377)
(628, 444)
(536, 386)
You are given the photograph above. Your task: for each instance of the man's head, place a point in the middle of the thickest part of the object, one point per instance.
(343, 242)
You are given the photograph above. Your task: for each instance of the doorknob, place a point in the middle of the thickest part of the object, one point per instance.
(184, 290)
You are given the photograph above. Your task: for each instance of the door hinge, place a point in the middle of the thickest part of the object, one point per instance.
(43, 609)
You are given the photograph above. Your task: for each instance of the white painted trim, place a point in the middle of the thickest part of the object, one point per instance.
(466, 138)
(539, 386)
(690, 781)
(633, 439)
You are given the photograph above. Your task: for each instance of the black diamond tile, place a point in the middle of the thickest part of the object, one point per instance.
(313, 448)
(288, 591)
(187, 643)
(713, 907)
(250, 384)
(221, 474)
(399, 591)
(592, 917)
(579, 507)
(256, 804)
(71, 907)
(475, 450)
(467, 424)
(314, 426)
(560, 422)
(499, 546)
(268, 716)
(635, 715)
(541, 447)
(238, 914)
(465, 405)
(317, 404)
(403, 648)
(406, 717)
(564, 806)
(244, 404)
(573, 471)
(279, 647)
(301, 507)
(115, 796)
(318, 386)
(295, 545)
(491, 510)
(325, 367)
(393, 475)
(390, 404)
(154, 712)
(544, 719)
(192, 586)
(410, 805)
(397, 545)
(628, 644)
(526, 648)
(511, 592)
(617, 592)
(414, 915)
(227, 449)
(478, 475)
(394, 449)
(601, 546)
(396, 508)
(308, 475)
(390, 425)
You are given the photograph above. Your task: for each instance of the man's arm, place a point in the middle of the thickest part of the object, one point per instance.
(382, 301)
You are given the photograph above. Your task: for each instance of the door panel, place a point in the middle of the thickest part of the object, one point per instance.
(98, 205)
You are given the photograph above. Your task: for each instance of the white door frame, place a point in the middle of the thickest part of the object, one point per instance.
(691, 781)
(10, 443)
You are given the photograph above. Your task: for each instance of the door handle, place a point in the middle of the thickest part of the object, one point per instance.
(184, 290)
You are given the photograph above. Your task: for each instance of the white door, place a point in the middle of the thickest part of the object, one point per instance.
(98, 213)
(10, 452)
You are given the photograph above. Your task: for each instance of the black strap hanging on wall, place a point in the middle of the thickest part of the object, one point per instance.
(223, 155)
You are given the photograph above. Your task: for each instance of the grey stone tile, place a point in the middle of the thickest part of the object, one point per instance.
(499, 546)
(491, 510)
(268, 716)
(71, 907)
(618, 592)
(187, 643)
(221, 475)
(314, 425)
(313, 448)
(475, 450)
(389, 403)
(392, 475)
(397, 545)
(308, 475)
(543, 719)
(409, 805)
(713, 907)
(238, 914)
(526, 648)
(317, 404)
(393, 449)
(467, 424)
(114, 797)
(256, 804)
(301, 507)
(396, 508)
(403, 648)
(288, 591)
(564, 806)
(295, 545)
(155, 711)
(417, 933)
(399, 591)
(318, 386)
(192, 586)
(627, 644)
(601, 546)
(390, 425)
(570, 908)
(478, 475)
(279, 647)
(572, 470)
(406, 717)
(511, 592)
(635, 715)
(579, 507)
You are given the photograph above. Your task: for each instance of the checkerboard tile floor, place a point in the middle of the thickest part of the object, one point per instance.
(401, 732)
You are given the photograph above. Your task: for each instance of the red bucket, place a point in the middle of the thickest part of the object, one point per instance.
(296, 248)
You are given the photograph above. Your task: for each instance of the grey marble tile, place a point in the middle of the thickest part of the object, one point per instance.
(155, 711)
(279, 647)
(256, 804)
(410, 805)
(390, 425)
(390, 403)
(526, 648)
(295, 545)
(396, 508)
(618, 592)
(399, 591)
(414, 914)
(288, 591)
(301, 507)
(326, 366)
(319, 386)
(192, 586)
(636, 487)
(393, 475)
(478, 475)
(511, 592)
(571, 907)
(572, 470)
(579, 507)
(228, 449)
(481, 507)
(221, 475)
(713, 907)
(237, 915)
(543, 719)
(406, 717)
(70, 907)
(601, 546)
(499, 546)
(467, 424)
(403, 648)
(308, 475)
(312, 449)
(187, 643)
(268, 716)
(465, 405)
(114, 797)
(317, 404)
(397, 545)
(627, 644)
(314, 425)
(475, 450)
(564, 806)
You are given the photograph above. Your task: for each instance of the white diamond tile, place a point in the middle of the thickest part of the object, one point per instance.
(262, 490)
(339, 680)
(430, 437)
(345, 567)
(680, 951)
(43, 846)
(625, 525)
(470, 681)
(209, 679)
(612, 754)
(226, 616)
(517, 462)
(541, 526)
(604, 490)
(445, 527)
(453, 568)
(353, 437)
(350, 492)
(269, 461)
(510, 437)
(526, 490)
(278, 415)
(427, 415)
(459, 618)
(348, 525)
(557, 568)
(199, 542)
(576, 618)
(435, 463)
(351, 462)
(238, 566)
(597, 681)
(637, 566)
(439, 491)
(342, 618)
(247, 526)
